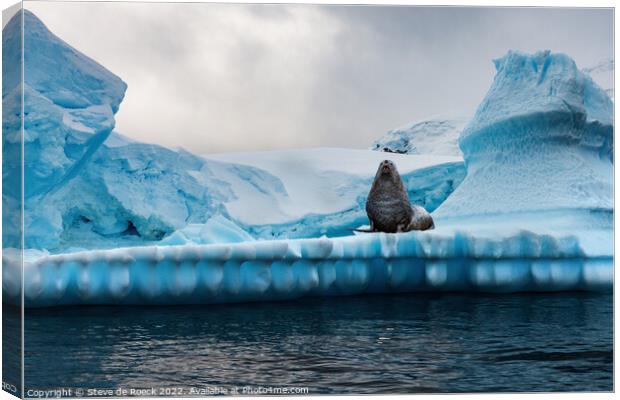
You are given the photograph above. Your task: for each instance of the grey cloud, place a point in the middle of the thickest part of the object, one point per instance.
(229, 77)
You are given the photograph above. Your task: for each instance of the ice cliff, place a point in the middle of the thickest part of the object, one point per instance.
(69, 106)
(69, 103)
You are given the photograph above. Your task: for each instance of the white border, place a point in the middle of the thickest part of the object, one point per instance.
(506, 3)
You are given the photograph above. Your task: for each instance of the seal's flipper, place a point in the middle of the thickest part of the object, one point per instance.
(363, 230)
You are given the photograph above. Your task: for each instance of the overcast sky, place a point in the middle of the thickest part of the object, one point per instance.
(225, 77)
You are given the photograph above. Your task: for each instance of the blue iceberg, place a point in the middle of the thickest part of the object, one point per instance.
(540, 144)
(69, 106)
(108, 220)
(85, 185)
(135, 194)
(289, 269)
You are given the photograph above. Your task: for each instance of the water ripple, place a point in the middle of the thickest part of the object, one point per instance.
(371, 344)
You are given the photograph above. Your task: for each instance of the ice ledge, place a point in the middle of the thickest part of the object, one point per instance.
(278, 270)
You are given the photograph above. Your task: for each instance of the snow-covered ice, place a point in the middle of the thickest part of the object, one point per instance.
(434, 135)
(327, 187)
(136, 194)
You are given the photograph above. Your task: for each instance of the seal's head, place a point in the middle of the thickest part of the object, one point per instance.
(387, 169)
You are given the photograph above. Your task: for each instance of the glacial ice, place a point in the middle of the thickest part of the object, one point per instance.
(114, 221)
(134, 193)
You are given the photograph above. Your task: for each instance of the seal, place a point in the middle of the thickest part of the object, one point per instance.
(388, 206)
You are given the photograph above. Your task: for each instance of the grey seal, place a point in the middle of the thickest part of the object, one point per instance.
(388, 206)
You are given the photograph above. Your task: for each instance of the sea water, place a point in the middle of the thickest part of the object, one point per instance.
(405, 343)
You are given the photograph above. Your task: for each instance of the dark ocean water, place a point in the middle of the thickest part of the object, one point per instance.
(370, 344)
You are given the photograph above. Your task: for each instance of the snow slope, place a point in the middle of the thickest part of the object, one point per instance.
(324, 181)
(437, 135)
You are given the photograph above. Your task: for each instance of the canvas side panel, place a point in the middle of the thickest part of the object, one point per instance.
(12, 200)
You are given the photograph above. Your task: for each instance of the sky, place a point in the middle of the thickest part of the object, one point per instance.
(230, 77)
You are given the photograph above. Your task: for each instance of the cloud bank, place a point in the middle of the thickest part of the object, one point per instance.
(231, 77)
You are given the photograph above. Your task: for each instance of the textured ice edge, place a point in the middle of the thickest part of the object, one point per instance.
(278, 270)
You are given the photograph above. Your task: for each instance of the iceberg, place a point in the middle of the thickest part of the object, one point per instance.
(108, 220)
(541, 140)
(289, 269)
(440, 134)
(133, 193)
(69, 106)
(86, 186)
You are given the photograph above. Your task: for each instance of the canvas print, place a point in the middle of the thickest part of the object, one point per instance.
(293, 199)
